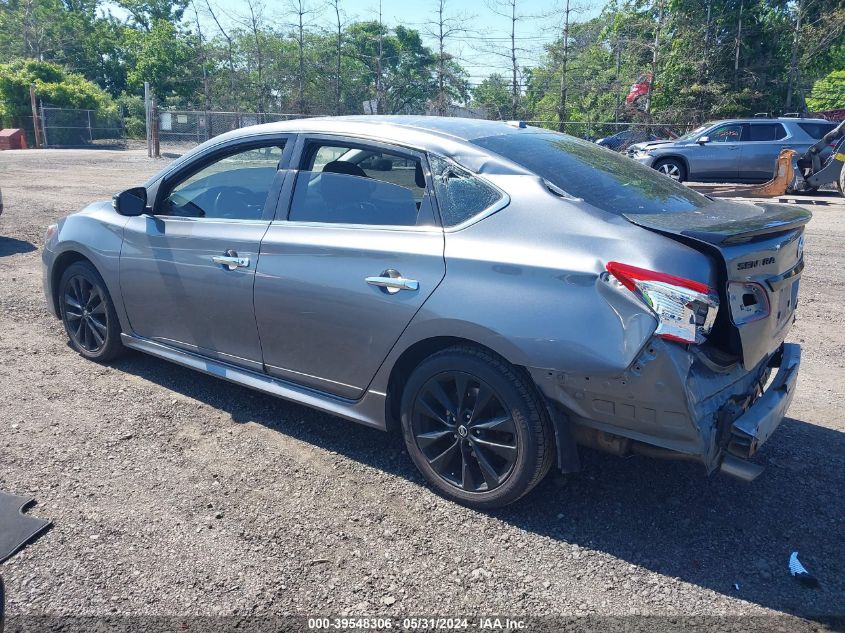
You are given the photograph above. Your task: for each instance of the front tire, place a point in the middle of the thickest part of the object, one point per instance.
(476, 428)
(88, 314)
(673, 168)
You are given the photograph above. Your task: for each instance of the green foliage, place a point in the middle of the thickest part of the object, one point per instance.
(708, 63)
(133, 114)
(828, 92)
(494, 94)
(53, 85)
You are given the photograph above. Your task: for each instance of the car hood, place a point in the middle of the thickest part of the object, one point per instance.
(649, 145)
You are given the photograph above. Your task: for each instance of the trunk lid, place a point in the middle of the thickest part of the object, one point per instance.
(759, 249)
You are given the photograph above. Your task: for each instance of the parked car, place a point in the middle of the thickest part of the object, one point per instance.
(623, 139)
(737, 150)
(500, 293)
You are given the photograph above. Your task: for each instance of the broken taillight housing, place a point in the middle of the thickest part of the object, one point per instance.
(749, 302)
(685, 309)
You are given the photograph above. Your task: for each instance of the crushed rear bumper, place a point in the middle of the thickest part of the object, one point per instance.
(759, 421)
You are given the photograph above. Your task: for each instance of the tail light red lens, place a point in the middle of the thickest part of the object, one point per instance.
(685, 309)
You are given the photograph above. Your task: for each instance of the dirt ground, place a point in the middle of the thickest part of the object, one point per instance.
(173, 493)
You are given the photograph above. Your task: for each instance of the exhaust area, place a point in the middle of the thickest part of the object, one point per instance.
(739, 468)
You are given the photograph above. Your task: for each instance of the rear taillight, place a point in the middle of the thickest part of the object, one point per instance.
(749, 302)
(685, 309)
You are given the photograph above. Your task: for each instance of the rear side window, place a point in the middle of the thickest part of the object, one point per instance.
(460, 194)
(767, 131)
(606, 180)
(817, 130)
(346, 184)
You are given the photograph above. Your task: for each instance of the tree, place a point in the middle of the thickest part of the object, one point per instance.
(451, 84)
(828, 92)
(53, 85)
(494, 95)
(163, 57)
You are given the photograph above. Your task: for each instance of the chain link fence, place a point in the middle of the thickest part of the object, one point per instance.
(180, 130)
(617, 136)
(65, 127)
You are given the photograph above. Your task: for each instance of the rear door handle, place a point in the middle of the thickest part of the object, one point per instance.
(392, 282)
(231, 260)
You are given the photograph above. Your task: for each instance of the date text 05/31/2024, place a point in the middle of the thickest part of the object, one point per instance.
(417, 624)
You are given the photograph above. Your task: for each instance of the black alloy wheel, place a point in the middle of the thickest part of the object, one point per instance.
(85, 313)
(88, 314)
(465, 432)
(476, 427)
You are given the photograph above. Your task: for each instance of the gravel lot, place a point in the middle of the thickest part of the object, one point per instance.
(173, 493)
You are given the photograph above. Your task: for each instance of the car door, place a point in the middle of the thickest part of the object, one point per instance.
(355, 251)
(187, 269)
(718, 158)
(761, 149)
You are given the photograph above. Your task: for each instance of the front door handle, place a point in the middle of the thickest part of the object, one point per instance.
(231, 260)
(391, 281)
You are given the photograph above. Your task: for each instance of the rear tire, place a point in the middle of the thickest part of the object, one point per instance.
(88, 314)
(673, 168)
(476, 428)
(841, 184)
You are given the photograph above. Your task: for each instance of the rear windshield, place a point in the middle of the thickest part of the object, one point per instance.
(604, 179)
(817, 130)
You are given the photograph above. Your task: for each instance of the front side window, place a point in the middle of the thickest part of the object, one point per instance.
(727, 134)
(461, 195)
(234, 187)
(345, 184)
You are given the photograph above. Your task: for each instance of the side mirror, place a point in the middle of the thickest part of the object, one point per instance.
(702, 140)
(132, 202)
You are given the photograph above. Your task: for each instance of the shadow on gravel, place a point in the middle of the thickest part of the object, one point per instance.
(663, 516)
(12, 246)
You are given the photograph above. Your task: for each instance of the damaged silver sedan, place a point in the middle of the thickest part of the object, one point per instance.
(500, 293)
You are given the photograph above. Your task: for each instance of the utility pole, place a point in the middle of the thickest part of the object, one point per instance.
(738, 45)
(441, 71)
(561, 106)
(793, 65)
(339, 50)
(654, 55)
(379, 97)
(514, 68)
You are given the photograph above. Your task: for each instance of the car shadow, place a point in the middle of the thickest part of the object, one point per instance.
(667, 517)
(13, 246)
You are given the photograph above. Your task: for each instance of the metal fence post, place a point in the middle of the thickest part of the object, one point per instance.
(147, 118)
(90, 131)
(43, 125)
(34, 115)
(156, 149)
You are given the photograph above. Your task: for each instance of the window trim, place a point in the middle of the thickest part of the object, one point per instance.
(285, 202)
(752, 125)
(173, 178)
(503, 202)
(744, 133)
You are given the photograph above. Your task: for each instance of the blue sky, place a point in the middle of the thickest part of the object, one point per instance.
(486, 29)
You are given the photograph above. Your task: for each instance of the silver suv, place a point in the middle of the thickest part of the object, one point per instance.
(736, 150)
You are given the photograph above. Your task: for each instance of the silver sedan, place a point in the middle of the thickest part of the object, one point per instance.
(499, 293)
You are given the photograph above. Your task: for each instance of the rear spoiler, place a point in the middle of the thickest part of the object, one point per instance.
(726, 222)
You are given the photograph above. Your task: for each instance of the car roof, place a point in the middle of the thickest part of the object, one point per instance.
(782, 119)
(390, 126)
(448, 136)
